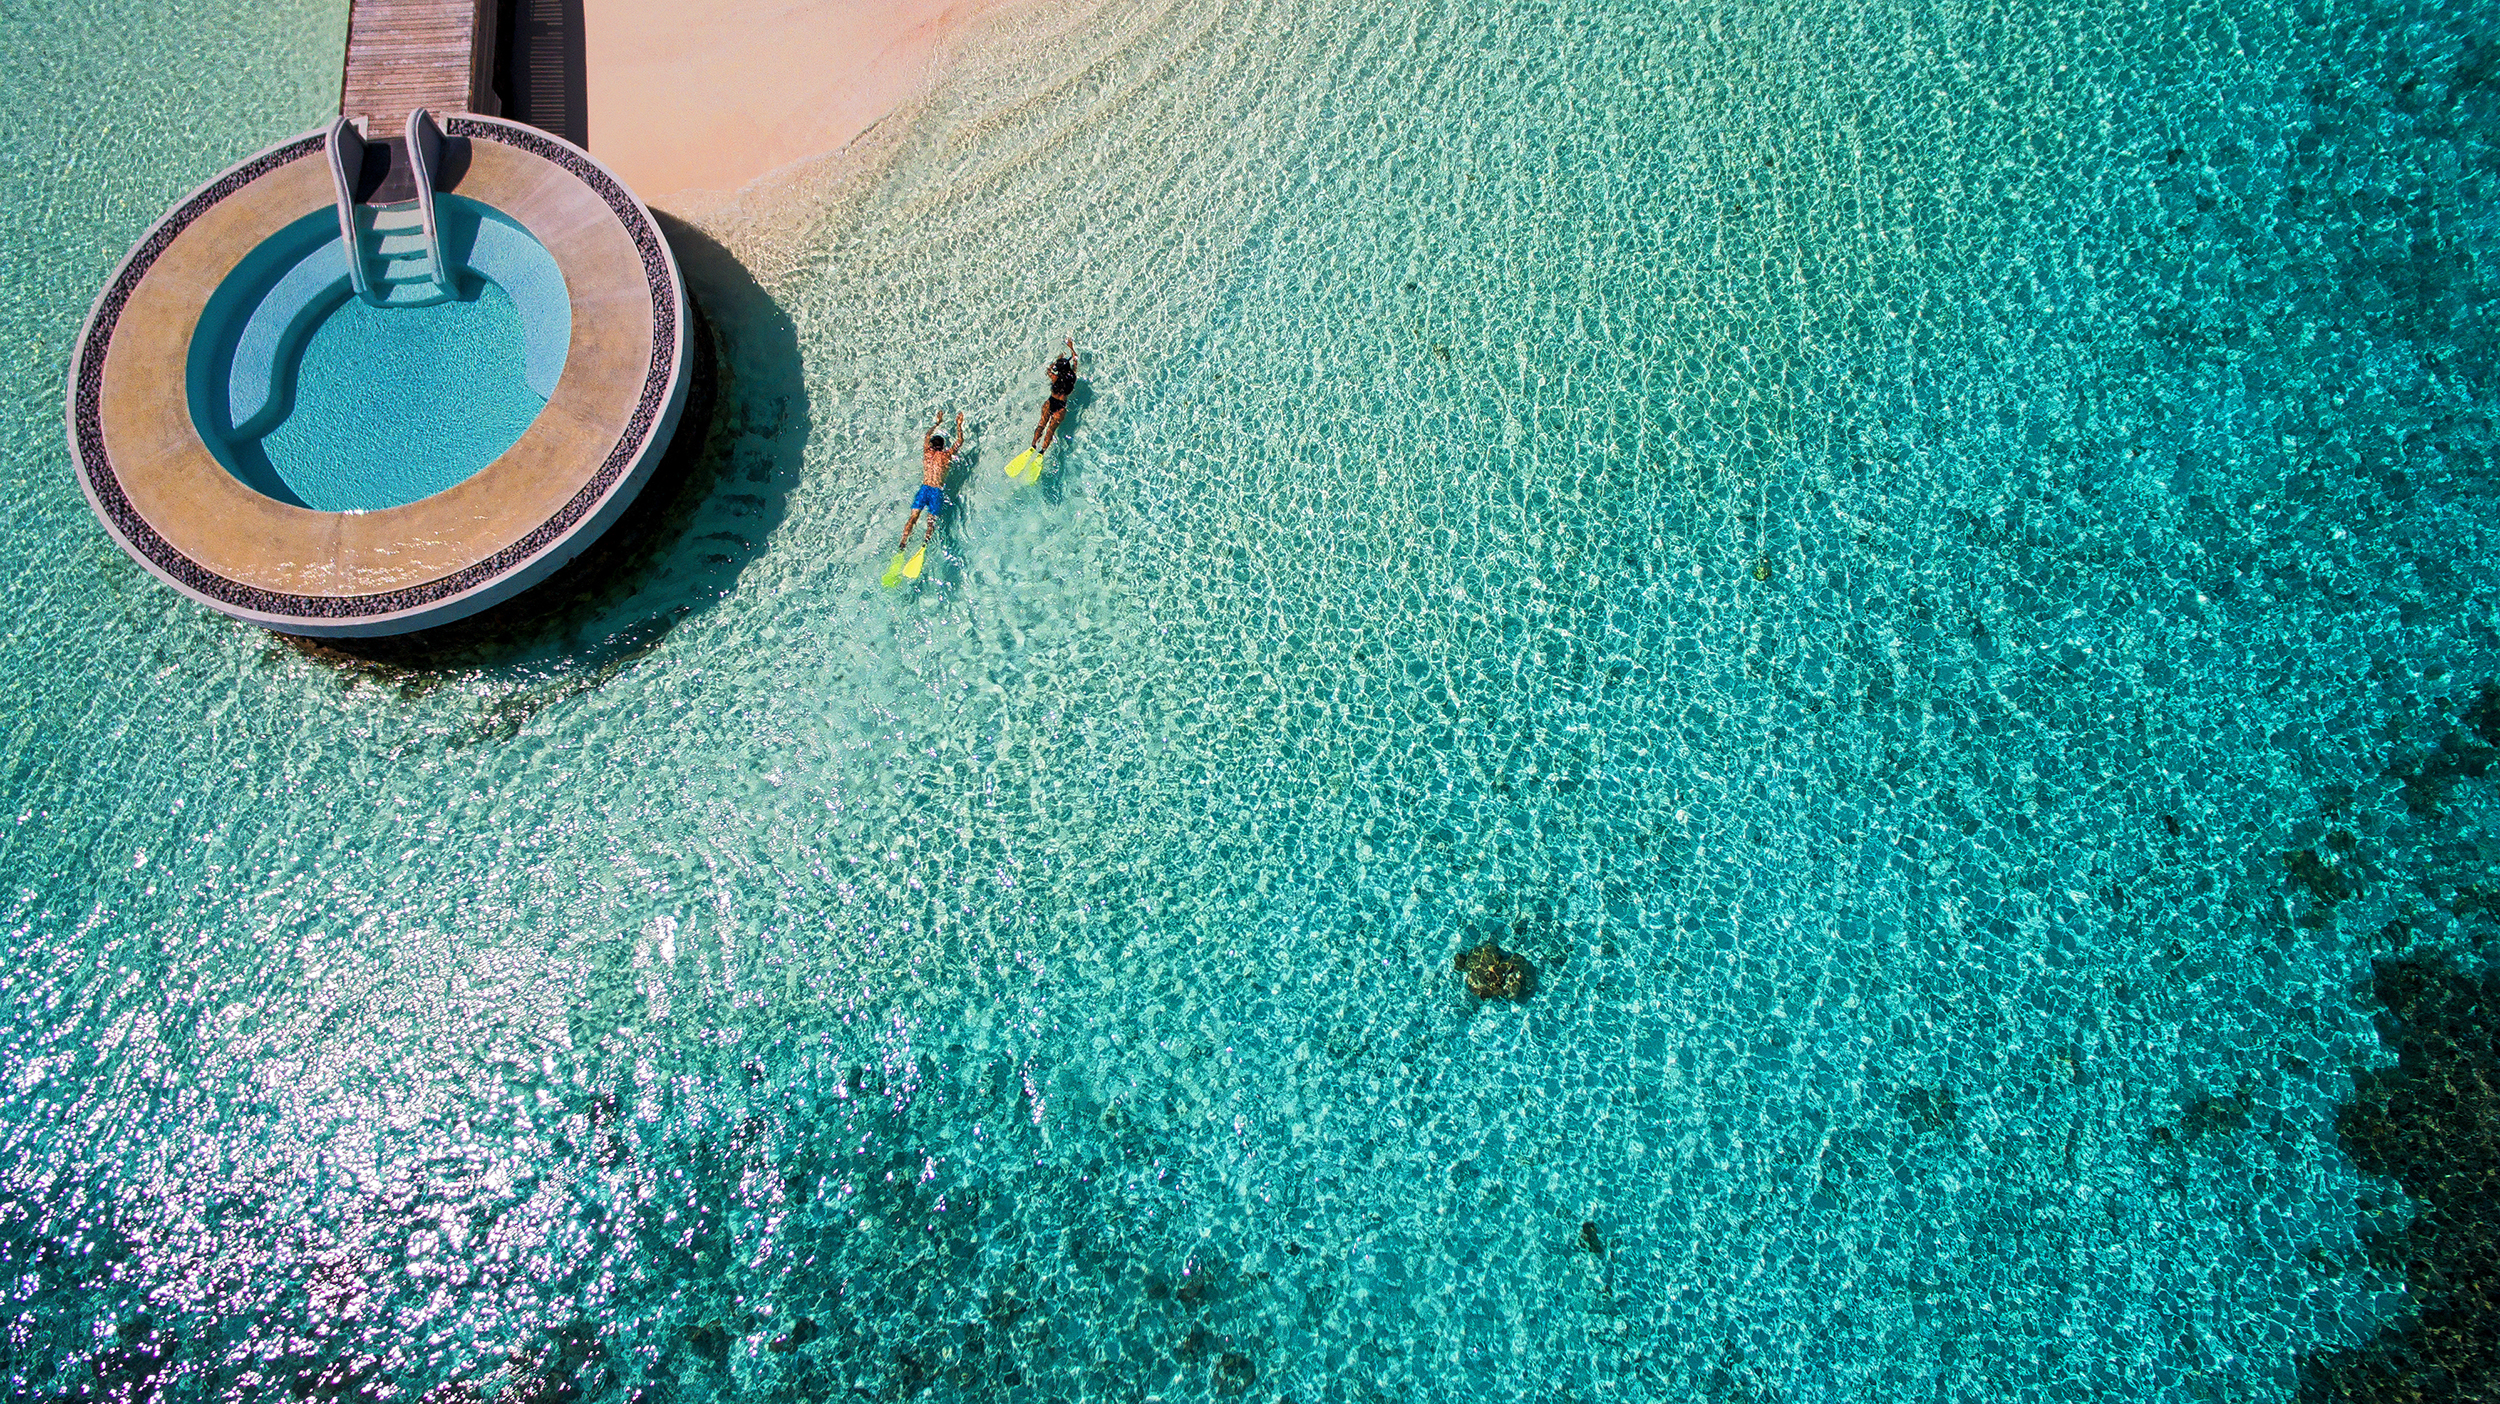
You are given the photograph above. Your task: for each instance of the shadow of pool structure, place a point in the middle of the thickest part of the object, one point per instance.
(376, 394)
(700, 520)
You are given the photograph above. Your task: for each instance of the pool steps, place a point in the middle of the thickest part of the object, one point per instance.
(401, 257)
(387, 221)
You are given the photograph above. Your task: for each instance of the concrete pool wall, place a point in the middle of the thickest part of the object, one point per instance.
(162, 493)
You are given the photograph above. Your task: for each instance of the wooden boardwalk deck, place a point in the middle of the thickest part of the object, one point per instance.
(406, 54)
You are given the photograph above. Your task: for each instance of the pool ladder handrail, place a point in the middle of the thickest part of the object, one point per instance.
(425, 152)
(346, 146)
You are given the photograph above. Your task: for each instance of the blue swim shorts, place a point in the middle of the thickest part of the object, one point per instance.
(930, 500)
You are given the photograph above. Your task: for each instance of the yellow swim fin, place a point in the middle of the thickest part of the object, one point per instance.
(894, 572)
(1034, 473)
(1015, 466)
(911, 568)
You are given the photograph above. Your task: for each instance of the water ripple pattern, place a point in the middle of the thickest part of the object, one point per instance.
(1853, 538)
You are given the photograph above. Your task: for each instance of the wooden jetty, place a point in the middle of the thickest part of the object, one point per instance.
(407, 54)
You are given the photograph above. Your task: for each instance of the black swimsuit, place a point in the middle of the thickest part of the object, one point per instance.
(1061, 382)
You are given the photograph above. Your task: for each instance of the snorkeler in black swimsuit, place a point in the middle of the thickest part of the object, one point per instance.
(1062, 384)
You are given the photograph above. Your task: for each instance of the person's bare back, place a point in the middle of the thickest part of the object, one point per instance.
(936, 456)
(1062, 384)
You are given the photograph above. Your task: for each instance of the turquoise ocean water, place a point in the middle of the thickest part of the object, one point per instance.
(1909, 557)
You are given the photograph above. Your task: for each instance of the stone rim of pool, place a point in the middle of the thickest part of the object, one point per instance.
(167, 497)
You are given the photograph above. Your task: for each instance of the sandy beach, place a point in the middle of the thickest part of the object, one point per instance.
(691, 101)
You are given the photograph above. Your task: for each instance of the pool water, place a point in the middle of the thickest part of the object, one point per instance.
(398, 403)
(1919, 565)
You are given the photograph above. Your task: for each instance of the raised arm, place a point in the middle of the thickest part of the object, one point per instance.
(933, 426)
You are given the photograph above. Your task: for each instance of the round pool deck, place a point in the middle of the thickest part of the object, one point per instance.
(167, 500)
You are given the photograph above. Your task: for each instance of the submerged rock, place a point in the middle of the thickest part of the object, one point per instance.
(1494, 973)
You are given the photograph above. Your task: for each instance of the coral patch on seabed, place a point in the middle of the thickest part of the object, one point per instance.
(1494, 973)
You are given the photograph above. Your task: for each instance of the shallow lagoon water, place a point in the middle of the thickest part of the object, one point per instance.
(1856, 540)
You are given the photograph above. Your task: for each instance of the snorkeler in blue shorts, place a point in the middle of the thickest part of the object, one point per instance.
(934, 461)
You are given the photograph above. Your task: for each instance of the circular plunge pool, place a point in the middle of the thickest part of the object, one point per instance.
(316, 396)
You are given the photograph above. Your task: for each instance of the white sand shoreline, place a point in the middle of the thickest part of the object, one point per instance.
(695, 101)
